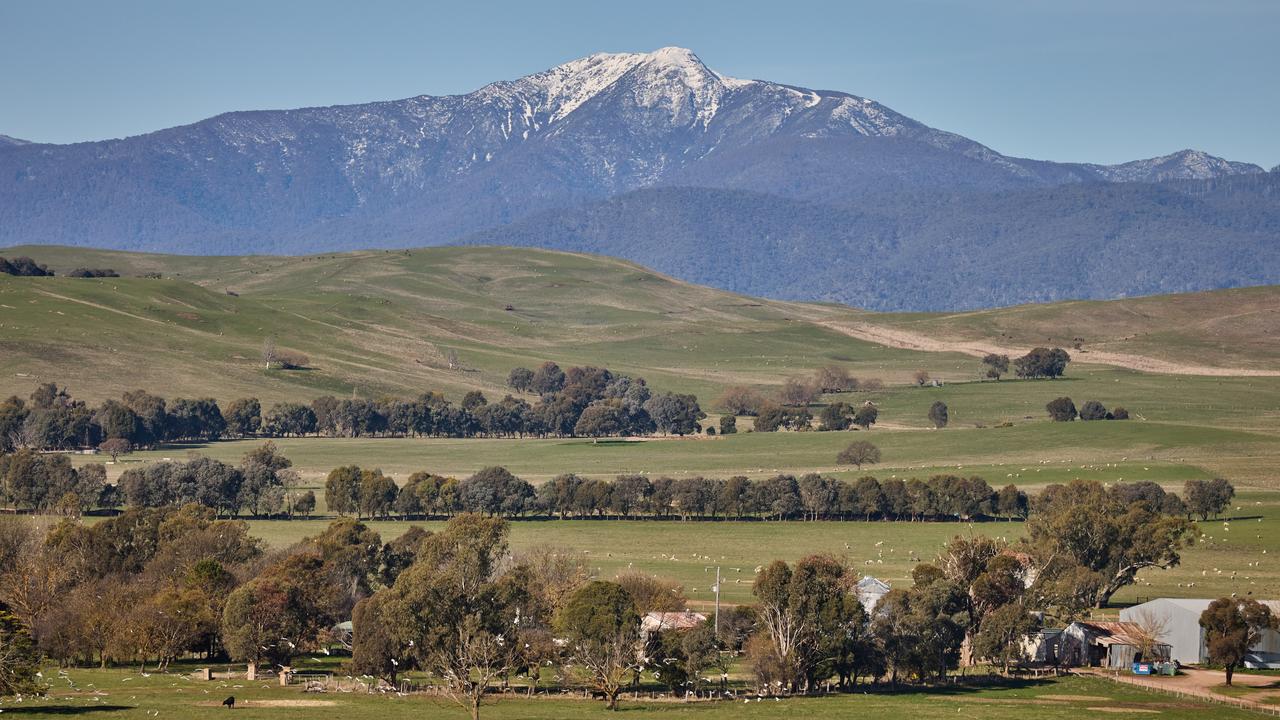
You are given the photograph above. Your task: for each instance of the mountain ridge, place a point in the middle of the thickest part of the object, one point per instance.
(431, 170)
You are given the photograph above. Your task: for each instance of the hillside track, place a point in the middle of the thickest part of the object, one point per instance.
(907, 340)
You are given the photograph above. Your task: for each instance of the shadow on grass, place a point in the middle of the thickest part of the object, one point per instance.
(965, 688)
(64, 709)
(602, 441)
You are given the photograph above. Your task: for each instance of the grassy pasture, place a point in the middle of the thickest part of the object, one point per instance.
(1033, 453)
(689, 551)
(377, 322)
(387, 322)
(1233, 328)
(126, 694)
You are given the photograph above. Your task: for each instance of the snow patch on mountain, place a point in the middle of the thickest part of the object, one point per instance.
(1182, 165)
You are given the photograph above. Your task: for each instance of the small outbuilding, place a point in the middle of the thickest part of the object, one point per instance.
(343, 634)
(1108, 644)
(1042, 647)
(656, 622)
(870, 590)
(653, 624)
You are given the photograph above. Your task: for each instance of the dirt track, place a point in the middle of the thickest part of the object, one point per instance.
(907, 340)
(1201, 683)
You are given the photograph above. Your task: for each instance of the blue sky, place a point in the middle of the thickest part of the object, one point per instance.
(1068, 80)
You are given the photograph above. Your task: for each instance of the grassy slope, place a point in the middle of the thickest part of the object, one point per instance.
(1226, 328)
(378, 322)
(385, 322)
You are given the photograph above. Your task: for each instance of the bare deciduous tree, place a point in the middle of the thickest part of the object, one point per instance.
(268, 352)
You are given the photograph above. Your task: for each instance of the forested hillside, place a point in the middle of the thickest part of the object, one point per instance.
(957, 250)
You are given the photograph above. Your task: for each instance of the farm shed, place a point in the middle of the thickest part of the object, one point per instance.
(656, 622)
(870, 590)
(1106, 644)
(1042, 646)
(1179, 623)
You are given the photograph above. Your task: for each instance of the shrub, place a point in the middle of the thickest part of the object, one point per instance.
(1061, 409)
(1093, 410)
(938, 414)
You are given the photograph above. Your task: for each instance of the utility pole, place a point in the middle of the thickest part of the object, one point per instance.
(716, 628)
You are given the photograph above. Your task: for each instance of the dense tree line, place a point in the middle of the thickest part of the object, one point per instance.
(47, 483)
(52, 420)
(586, 402)
(155, 585)
(496, 492)
(262, 484)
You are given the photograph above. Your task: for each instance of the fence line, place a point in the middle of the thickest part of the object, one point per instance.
(1188, 694)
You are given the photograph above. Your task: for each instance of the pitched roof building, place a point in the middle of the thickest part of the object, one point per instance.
(1179, 622)
(870, 590)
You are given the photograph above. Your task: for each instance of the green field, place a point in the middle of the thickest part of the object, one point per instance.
(1225, 328)
(376, 323)
(689, 552)
(384, 322)
(126, 694)
(1032, 453)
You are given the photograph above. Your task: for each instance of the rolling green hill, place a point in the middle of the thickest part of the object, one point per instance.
(390, 322)
(1216, 332)
(456, 319)
(379, 322)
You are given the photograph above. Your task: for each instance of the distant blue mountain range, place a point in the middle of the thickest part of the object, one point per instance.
(744, 184)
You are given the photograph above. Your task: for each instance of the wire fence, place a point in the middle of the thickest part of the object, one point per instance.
(1155, 686)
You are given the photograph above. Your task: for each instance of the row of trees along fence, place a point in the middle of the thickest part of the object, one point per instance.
(589, 402)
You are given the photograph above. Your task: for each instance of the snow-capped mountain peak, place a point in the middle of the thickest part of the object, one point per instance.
(670, 75)
(568, 86)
